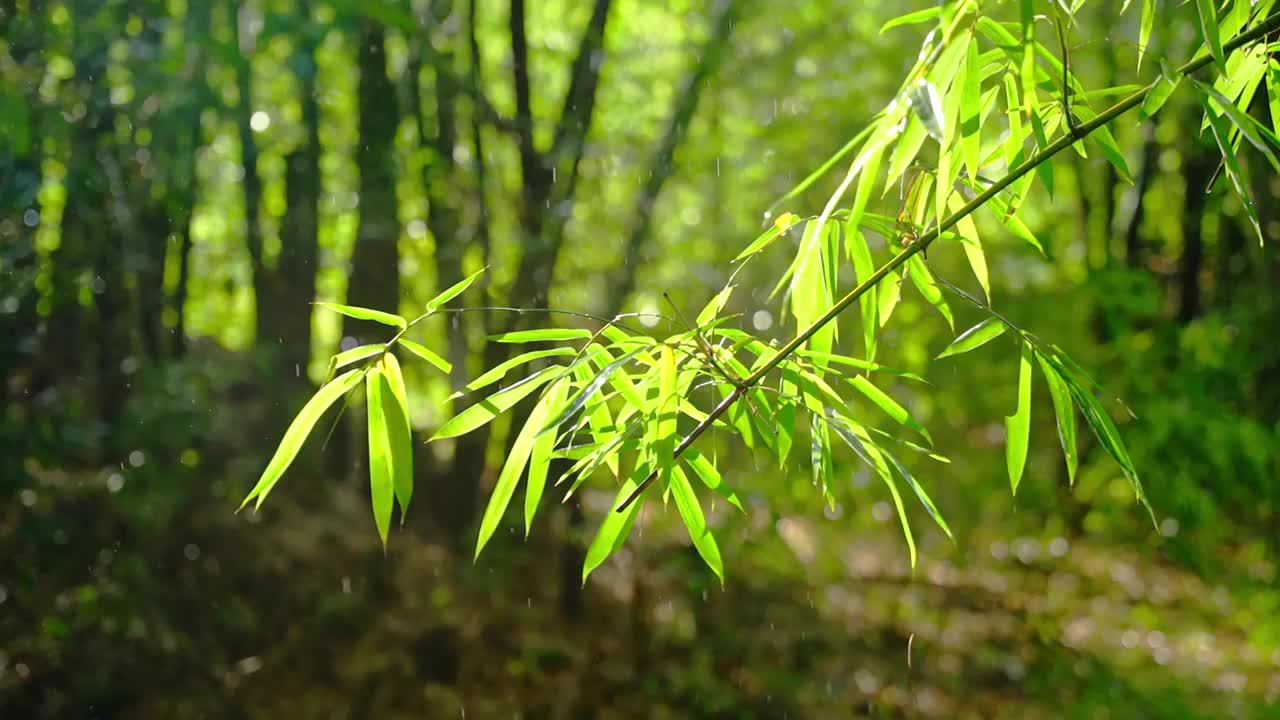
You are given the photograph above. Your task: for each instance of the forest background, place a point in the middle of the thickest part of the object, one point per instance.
(179, 182)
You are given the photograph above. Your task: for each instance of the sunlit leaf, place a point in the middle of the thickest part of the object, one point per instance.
(710, 476)
(1144, 28)
(1018, 425)
(691, 513)
(1250, 129)
(923, 496)
(355, 354)
(1064, 412)
(889, 406)
(500, 370)
(666, 413)
(972, 246)
(381, 484)
(924, 282)
(360, 313)
(1160, 92)
(547, 334)
(440, 363)
(1209, 31)
(859, 364)
(489, 408)
(927, 105)
(453, 291)
(514, 467)
(713, 308)
(888, 293)
(395, 410)
(616, 525)
(912, 18)
(975, 337)
(971, 106)
(1236, 175)
(585, 394)
(540, 454)
(864, 267)
(297, 433)
(856, 437)
(1107, 144)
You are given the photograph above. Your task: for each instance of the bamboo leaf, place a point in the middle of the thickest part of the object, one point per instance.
(923, 496)
(440, 363)
(355, 354)
(856, 437)
(1018, 425)
(395, 409)
(1144, 28)
(970, 108)
(888, 293)
(594, 386)
(381, 485)
(360, 313)
(1253, 131)
(1064, 412)
(912, 18)
(691, 513)
(1273, 93)
(859, 364)
(666, 412)
(514, 467)
(924, 282)
(1232, 165)
(927, 105)
(1209, 31)
(499, 371)
(890, 406)
(766, 238)
(972, 245)
(547, 334)
(297, 433)
(1159, 93)
(713, 308)
(863, 268)
(975, 337)
(710, 476)
(617, 525)
(491, 407)
(540, 454)
(1107, 144)
(453, 291)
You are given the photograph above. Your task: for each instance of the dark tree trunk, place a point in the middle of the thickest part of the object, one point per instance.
(375, 276)
(1199, 172)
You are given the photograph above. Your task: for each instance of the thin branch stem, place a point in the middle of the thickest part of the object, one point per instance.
(922, 242)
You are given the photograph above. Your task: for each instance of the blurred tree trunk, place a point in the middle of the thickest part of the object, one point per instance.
(251, 183)
(185, 183)
(375, 275)
(622, 281)
(1199, 170)
(1134, 203)
(284, 315)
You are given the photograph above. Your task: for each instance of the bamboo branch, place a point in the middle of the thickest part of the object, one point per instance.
(922, 242)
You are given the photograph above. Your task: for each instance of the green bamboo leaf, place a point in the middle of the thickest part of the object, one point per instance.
(691, 513)
(1001, 211)
(928, 287)
(887, 295)
(511, 471)
(395, 411)
(540, 454)
(923, 496)
(1064, 412)
(360, 313)
(927, 105)
(1273, 93)
(1160, 92)
(912, 18)
(713, 308)
(890, 406)
(856, 437)
(1018, 425)
(1144, 28)
(710, 476)
(766, 238)
(666, 412)
(381, 485)
(491, 407)
(905, 150)
(1232, 165)
(617, 525)
(547, 334)
(1106, 143)
(859, 364)
(453, 291)
(500, 371)
(971, 106)
(972, 245)
(440, 363)
(1209, 31)
(297, 433)
(1253, 131)
(784, 428)
(594, 386)
(870, 159)
(355, 354)
(863, 268)
(975, 337)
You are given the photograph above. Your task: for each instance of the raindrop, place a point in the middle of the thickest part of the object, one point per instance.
(27, 497)
(1169, 527)
(115, 482)
(881, 511)
(31, 217)
(762, 320)
(249, 665)
(191, 551)
(98, 285)
(346, 586)
(137, 458)
(348, 342)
